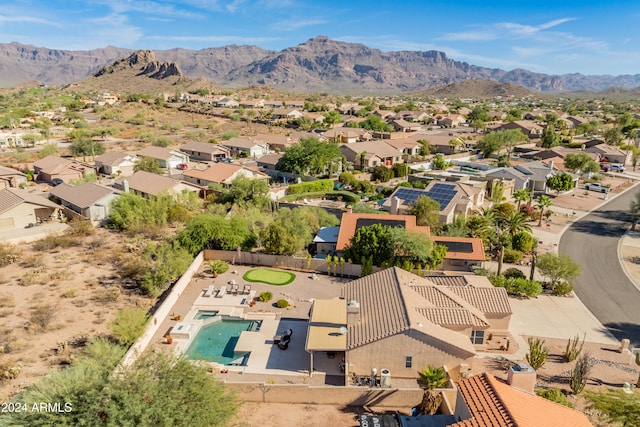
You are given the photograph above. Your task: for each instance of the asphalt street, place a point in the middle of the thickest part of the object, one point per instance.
(603, 287)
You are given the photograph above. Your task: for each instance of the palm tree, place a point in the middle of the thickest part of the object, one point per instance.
(432, 378)
(520, 196)
(515, 223)
(543, 203)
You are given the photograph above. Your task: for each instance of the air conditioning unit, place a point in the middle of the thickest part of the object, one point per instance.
(385, 378)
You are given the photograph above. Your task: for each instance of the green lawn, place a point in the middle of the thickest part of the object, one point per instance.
(271, 277)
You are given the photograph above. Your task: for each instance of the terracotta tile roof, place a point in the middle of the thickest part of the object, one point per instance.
(12, 197)
(442, 297)
(349, 222)
(83, 195)
(493, 403)
(448, 280)
(224, 173)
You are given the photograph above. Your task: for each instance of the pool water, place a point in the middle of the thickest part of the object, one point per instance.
(203, 314)
(216, 342)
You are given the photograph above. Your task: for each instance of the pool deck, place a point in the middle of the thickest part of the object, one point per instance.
(266, 359)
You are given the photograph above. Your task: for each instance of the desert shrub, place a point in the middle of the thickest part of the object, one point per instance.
(282, 303)
(538, 353)
(80, 228)
(562, 289)
(41, 317)
(70, 293)
(8, 255)
(53, 241)
(132, 267)
(7, 300)
(524, 287)
(555, 395)
(512, 256)
(265, 296)
(129, 324)
(321, 185)
(580, 374)
(31, 277)
(514, 273)
(574, 348)
(34, 261)
(9, 370)
(106, 295)
(218, 267)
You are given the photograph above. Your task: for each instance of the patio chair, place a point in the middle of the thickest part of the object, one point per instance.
(234, 289)
(221, 292)
(210, 290)
(247, 289)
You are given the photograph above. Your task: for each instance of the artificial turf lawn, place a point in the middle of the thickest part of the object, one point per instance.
(271, 277)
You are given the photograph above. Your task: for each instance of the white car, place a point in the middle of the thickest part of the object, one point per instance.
(616, 168)
(594, 186)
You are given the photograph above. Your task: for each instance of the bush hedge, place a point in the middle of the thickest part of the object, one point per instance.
(320, 185)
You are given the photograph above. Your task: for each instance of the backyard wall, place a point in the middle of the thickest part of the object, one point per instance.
(286, 262)
(162, 312)
(326, 395)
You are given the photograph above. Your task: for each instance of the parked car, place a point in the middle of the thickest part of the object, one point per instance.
(182, 166)
(616, 167)
(226, 160)
(595, 186)
(57, 181)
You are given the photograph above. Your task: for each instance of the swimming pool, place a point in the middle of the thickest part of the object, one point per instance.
(216, 342)
(205, 314)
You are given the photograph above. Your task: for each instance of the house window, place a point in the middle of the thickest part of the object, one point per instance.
(375, 163)
(477, 337)
(408, 361)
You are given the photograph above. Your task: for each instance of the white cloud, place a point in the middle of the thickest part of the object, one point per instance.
(4, 19)
(215, 39)
(149, 8)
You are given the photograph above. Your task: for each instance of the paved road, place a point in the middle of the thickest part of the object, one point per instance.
(603, 287)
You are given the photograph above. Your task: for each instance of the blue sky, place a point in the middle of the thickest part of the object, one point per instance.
(553, 37)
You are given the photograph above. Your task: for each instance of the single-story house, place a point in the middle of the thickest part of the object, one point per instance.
(455, 199)
(530, 129)
(462, 252)
(405, 146)
(246, 147)
(205, 151)
(116, 163)
(277, 142)
(397, 321)
(286, 114)
(347, 135)
(90, 200)
(11, 178)
(222, 173)
(11, 139)
(19, 208)
(521, 180)
(538, 172)
(375, 153)
(402, 125)
(166, 157)
(609, 153)
(52, 167)
(269, 161)
(147, 184)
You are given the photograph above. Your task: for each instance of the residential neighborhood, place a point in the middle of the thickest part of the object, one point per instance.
(341, 254)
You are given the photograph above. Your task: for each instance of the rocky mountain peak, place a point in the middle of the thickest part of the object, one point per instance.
(143, 63)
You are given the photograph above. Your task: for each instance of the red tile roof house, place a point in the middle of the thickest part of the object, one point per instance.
(400, 322)
(462, 252)
(486, 401)
(52, 167)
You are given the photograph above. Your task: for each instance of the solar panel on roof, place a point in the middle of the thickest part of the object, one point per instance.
(441, 193)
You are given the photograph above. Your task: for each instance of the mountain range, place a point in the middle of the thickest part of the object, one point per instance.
(317, 65)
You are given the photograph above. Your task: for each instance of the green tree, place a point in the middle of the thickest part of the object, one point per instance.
(520, 196)
(50, 149)
(522, 241)
(207, 231)
(129, 325)
(85, 146)
(168, 262)
(439, 163)
(560, 182)
(427, 211)
(381, 173)
(613, 136)
(431, 378)
(412, 246)
(333, 117)
(580, 162)
(550, 138)
(312, 156)
(31, 138)
(148, 164)
(495, 141)
(375, 241)
(245, 190)
(558, 268)
(543, 203)
(279, 239)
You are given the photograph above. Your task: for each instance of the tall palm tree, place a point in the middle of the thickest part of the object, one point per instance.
(432, 378)
(520, 196)
(514, 223)
(543, 203)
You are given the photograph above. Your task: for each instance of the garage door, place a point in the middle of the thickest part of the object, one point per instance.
(6, 223)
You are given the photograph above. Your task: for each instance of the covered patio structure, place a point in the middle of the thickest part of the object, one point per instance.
(327, 335)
